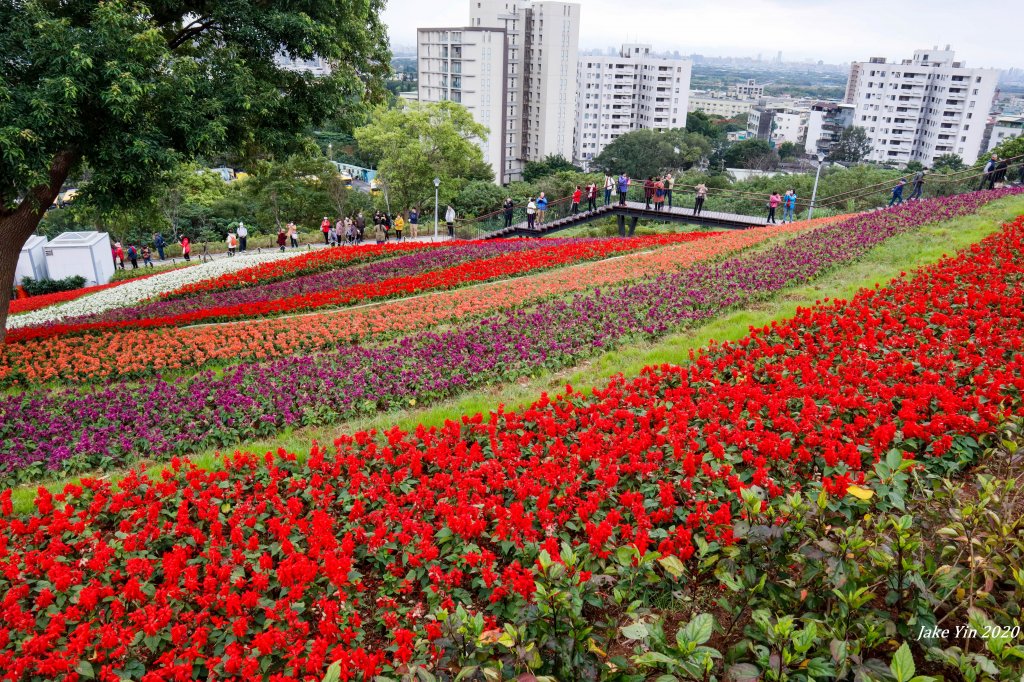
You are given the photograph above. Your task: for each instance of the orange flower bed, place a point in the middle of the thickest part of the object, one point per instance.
(127, 353)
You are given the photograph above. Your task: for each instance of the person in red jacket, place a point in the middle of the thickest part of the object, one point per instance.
(576, 197)
(325, 227)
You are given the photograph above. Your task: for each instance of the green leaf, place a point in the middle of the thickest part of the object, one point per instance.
(743, 672)
(902, 665)
(672, 565)
(634, 631)
(85, 669)
(333, 672)
(652, 658)
(697, 631)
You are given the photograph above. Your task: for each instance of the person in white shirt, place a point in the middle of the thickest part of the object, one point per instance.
(243, 235)
(531, 212)
(449, 219)
(232, 243)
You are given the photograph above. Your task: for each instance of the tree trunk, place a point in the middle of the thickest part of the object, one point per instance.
(17, 225)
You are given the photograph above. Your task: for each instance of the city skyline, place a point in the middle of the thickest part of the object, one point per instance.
(983, 36)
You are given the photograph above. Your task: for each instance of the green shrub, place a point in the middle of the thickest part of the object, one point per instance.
(51, 286)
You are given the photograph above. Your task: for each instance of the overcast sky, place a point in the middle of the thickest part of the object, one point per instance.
(984, 34)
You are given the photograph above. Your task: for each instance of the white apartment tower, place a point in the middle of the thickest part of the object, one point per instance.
(628, 92)
(513, 67)
(921, 108)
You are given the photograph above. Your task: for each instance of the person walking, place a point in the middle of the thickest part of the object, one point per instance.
(282, 239)
(509, 208)
(986, 173)
(399, 227)
(147, 257)
(670, 184)
(133, 256)
(648, 192)
(773, 203)
(789, 206)
(325, 227)
(414, 222)
(698, 202)
(531, 213)
(293, 235)
(232, 243)
(449, 220)
(999, 174)
(385, 220)
(332, 236)
(623, 188)
(379, 233)
(186, 248)
(542, 208)
(918, 183)
(897, 193)
(577, 196)
(592, 196)
(118, 254)
(159, 243)
(609, 185)
(360, 227)
(243, 236)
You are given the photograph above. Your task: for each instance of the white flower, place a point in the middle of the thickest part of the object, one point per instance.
(136, 291)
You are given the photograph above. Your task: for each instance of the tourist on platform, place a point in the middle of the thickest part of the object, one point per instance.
(542, 208)
(509, 207)
(648, 192)
(531, 213)
(999, 174)
(670, 184)
(449, 219)
(399, 227)
(918, 183)
(609, 185)
(243, 236)
(282, 238)
(623, 188)
(789, 206)
(159, 243)
(773, 203)
(147, 257)
(414, 223)
(698, 202)
(592, 196)
(325, 227)
(577, 196)
(659, 195)
(897, 192)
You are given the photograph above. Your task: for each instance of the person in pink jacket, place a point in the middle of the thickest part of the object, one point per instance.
(773, 203)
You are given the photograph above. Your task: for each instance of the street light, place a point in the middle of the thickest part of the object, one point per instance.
(814, 192)
(330, 151)
(437, 183)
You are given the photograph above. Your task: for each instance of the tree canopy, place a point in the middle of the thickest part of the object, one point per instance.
(418, 142)
(754, 153)
(552, 163)
(130, 89)
(852, 146)
(643, 153)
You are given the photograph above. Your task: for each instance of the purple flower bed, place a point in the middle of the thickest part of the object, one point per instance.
(411, 264)
(121, 421)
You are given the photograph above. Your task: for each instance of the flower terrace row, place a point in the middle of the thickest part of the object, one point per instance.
(158, 417)
(516, 260)
(277, 568)
(143, 352)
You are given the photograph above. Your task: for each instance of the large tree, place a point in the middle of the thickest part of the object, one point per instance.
(129, 89)
(852, 146)
(418, 142)
(643, 153)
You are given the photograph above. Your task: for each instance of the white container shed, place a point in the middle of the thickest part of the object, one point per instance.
(80, 253)
(31, 260)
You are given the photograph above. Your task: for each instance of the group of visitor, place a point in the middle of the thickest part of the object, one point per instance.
(788, 203)
(995, 171)
(132, 255)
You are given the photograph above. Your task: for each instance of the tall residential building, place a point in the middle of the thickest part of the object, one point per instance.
(513, 68)
(748, 90)
(726, 107)
(921, 108)
(826, 123)
(631, 91)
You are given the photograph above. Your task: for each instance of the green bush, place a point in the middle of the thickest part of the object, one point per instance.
(51, 286)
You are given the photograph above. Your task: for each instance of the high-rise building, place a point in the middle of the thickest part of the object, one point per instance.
(318, 66)
(630, 91)
(825, 124)
(513, 67)
(921, 108)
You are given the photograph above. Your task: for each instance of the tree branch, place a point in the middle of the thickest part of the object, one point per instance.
(191, 31)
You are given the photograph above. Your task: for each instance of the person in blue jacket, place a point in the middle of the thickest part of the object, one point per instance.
(159, 243)
(542, 207)
(897, 193)
(789, 206)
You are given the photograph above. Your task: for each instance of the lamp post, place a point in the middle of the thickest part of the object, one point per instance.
(330, 151)
(814, 192)
(437, 183)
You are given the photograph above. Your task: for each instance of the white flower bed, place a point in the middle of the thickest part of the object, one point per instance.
(136, 291)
